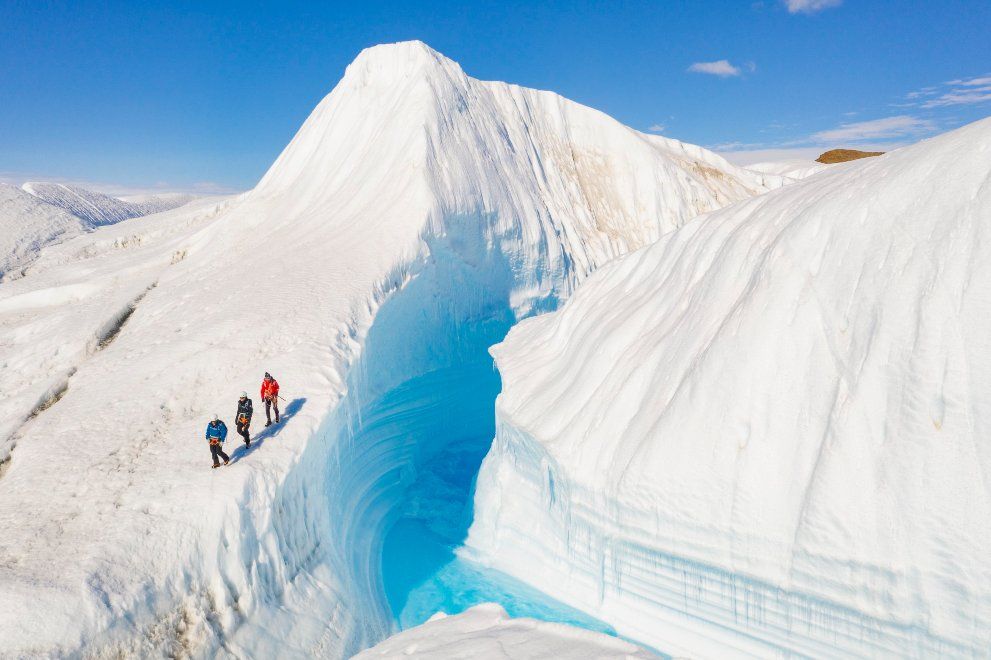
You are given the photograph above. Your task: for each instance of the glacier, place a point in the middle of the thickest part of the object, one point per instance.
(416, 216)
(767, 433)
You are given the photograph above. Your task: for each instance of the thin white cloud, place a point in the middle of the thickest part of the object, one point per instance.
(876, 129)
(720, 68)
(925, 91)
(968, 91)
(969, 97)
(971, 82)
(657, 128)
(810, 6)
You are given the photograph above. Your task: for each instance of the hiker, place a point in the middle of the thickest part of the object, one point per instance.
(216, 433)
(270, 395)
(242, 420)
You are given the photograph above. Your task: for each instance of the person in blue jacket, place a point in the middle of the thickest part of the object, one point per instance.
(216, 433)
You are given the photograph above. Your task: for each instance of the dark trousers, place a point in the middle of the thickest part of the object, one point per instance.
(242, 429)
(217, 451)
(272, 403)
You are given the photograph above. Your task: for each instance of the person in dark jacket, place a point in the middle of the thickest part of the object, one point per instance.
(216, 433)
(243, 418)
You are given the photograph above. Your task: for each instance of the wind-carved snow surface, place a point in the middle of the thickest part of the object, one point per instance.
(769, 431)
(416, 216)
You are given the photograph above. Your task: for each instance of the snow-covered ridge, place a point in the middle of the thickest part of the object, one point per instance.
(150, 203)
(39, 215)
(96, 209)
(768, 433)
(417, 214)
(791, 170)
(26, 225)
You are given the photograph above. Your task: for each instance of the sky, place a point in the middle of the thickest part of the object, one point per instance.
(203, 96)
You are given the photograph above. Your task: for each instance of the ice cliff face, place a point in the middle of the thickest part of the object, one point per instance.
(768, 432)
(416, 216)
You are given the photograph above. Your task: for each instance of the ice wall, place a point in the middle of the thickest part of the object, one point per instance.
(766, 433)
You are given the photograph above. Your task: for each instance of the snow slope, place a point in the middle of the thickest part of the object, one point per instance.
(41, 214)
(416, 215)
(769, 431)
(157, 202)
(792, 170)
(96, 209)
(485, 631)
(26, 225)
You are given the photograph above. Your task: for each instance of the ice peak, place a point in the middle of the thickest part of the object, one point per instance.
(389, 63)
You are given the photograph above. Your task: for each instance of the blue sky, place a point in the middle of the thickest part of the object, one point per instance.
(204, 95)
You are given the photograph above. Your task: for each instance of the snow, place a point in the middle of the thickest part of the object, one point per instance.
(767, 433)
(414, 218)
(26, 225)
(96, 209)
(791, 170)
(485, 631)
(38, 215)
(149, 203)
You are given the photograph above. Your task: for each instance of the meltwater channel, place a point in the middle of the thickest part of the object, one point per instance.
(420, 418)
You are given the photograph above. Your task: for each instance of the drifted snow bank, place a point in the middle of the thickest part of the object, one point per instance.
(485, 631)
(416, 215)
(768, 432)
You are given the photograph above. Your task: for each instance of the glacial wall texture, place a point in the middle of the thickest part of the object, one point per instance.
(767, 432)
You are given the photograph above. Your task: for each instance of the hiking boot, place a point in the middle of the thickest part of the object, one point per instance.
(268, 423)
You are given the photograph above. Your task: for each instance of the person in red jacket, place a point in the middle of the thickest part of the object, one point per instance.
(270, 395)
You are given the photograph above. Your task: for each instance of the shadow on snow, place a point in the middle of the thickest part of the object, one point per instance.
(268, 432)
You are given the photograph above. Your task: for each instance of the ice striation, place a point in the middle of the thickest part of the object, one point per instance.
(414, 218)
(767, 433)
